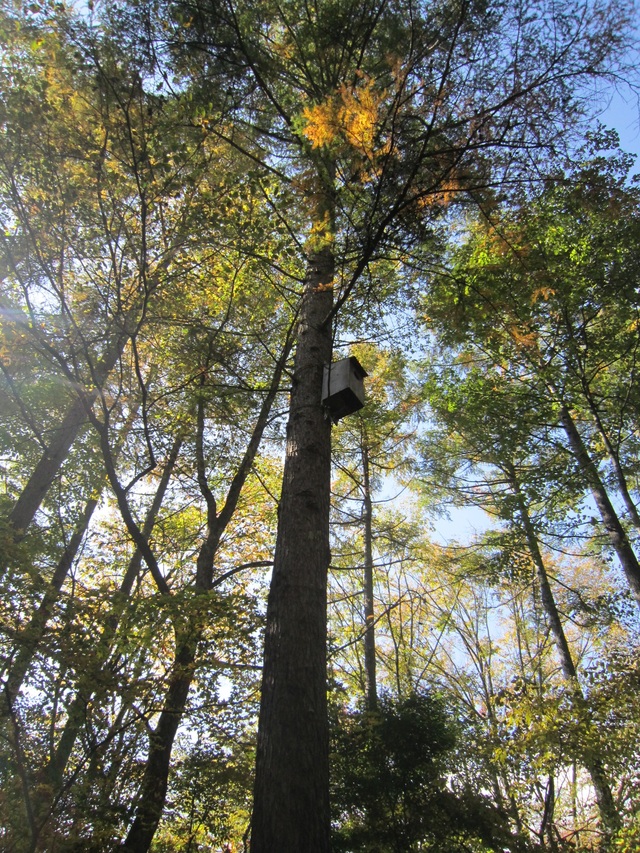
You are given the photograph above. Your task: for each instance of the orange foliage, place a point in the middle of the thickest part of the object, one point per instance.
(543, 293)
(351, 115)
(522, 338)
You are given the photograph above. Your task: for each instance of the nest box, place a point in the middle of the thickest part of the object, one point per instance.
(343, 388)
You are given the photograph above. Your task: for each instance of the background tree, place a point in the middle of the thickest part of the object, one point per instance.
(370, 452)
(555, 309)
(379, 140)
(227, 343)
(388, 787)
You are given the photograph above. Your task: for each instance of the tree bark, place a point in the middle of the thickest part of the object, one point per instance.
(291, 794)
(616, 532)
(153, 788)
(546, 594)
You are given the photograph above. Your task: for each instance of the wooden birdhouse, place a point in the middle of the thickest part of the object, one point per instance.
(343, 387)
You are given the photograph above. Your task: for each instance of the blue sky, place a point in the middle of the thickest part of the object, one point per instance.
(622, 115)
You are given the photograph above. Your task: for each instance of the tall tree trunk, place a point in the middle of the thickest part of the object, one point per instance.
(369, 614)
(616, 532)
(593, 763)
(291, 794)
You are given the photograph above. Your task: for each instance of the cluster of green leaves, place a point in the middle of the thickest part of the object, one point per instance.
(389, 788)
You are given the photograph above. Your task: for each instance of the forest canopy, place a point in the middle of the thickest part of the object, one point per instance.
(230, 621)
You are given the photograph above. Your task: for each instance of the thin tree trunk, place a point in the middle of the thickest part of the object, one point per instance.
(614, 456)
(617, 535)
(123, 326)
(39, 483)
(86, 686)
(15, 739)
(594, 765)
(85, 689)
(291, 794)
(31, 635)
(546, 824)
(153, 788)
(546, 594)
(369, 614)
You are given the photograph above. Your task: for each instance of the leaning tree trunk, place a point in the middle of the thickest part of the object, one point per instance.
(29, 638)
(43, 475)
(617, 534)
(76, 713)
(153, 787)
(291, 795)
(64, 435)
(614, 456)
(593, 762)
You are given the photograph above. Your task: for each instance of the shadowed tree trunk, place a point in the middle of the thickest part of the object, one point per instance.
(43, 475)
(291, 802)
(189, 630)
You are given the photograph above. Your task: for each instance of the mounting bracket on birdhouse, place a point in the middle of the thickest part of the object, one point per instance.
(343, 387)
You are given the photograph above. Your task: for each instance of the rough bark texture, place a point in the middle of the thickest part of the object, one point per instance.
(610, 519)
(291, 796)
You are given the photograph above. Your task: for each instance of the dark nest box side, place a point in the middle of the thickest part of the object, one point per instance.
(343, 388)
